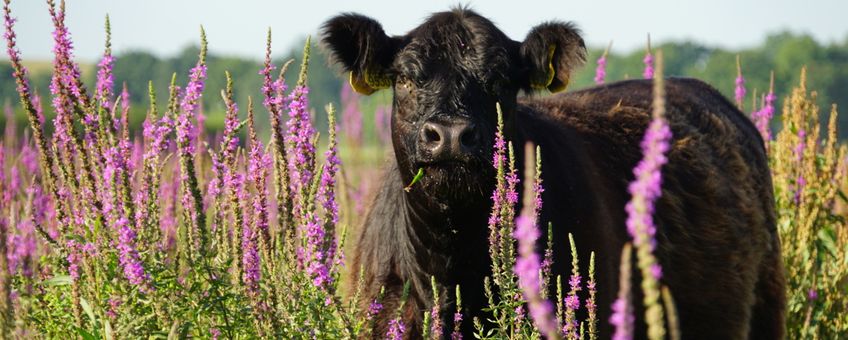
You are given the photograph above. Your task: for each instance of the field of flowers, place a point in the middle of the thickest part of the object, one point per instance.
(173, 233)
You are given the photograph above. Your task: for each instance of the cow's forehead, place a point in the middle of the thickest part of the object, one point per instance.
(459, 40)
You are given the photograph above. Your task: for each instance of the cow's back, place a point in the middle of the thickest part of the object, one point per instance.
(715, 219)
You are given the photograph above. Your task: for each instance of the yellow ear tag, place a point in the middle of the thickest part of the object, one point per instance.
(370, 83)
(559, 85)
(377, 80)
(551, 70)
(548, 77)
(360, 85)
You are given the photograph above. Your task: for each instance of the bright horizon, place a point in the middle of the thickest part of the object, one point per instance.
(239, 30)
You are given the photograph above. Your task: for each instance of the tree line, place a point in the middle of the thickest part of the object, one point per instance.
(783, 53)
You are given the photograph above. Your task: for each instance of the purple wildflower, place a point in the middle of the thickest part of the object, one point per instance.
(373, 309)
(457, 319)
(436, 326)
(215, 333)
(572, 302)
(326, 192)
(396, 329)
(299, 140)
(499, 193)
(155, 137)
(313, 256)
(104, 80)
(591, 307)
(765, 115)
(74, 258)
(739, 91)
(129, 258)
(622, 318)
(258, 164)
(271, 89)
(519, 315)
(649, 62)
(231, 124)
(645, 189)
(112, 311)
(601, 70)
(812, 294)
(251, 260)
(527, 269)
(193, 92)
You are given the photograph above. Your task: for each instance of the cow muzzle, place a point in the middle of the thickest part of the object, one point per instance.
(452, 141)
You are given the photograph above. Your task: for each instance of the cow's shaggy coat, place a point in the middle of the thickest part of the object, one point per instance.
(716, 234)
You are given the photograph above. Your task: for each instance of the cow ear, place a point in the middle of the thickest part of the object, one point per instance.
(360, 46)
(552, 51)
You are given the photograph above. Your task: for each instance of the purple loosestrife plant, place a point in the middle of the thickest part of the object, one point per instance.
(457, 317)
(622, 317)
(32, 107)
(129, 258)
(527, 266)
(570, 326)
(323, 246)
(498, 196)
(258, 162)
(763, 117)
(105, 81)
(645, 189)
(601, 69)
(396, 329)
(275, 100)
(648, 61)
(251, 260)
(739, 91)
(591, 307)
(436, 324)
(299, 139)
(191, 198)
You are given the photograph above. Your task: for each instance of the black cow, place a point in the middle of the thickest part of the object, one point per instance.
(716, 222)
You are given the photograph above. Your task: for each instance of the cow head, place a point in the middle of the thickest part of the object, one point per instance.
(447, 75)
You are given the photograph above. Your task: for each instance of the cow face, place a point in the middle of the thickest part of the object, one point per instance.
(447, 75)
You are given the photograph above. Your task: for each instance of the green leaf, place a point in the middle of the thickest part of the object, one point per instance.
(827, 236)
(107, 330)
(87, 308)
(85, 334)
(58, 280)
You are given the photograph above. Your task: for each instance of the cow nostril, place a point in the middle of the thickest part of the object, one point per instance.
(431, 135)
(468, 138)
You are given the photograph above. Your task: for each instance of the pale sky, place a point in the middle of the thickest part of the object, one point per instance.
(238, 27)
